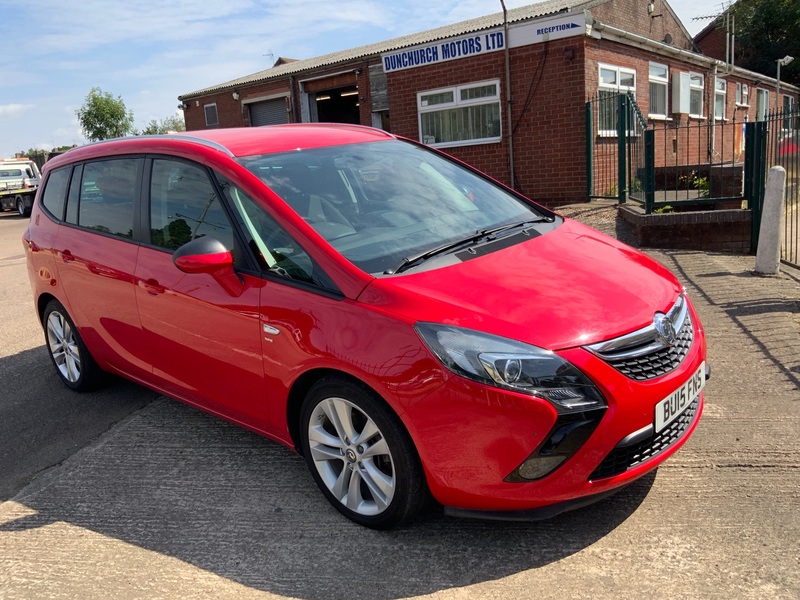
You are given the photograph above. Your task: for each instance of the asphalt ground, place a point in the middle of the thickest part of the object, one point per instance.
(136, 496)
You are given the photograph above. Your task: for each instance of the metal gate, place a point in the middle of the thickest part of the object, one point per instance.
(615, 150)
(668, 166)
(780, 140)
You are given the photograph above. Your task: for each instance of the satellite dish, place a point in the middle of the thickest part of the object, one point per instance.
(668, 39)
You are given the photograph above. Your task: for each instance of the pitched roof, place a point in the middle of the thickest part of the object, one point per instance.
(532, 11)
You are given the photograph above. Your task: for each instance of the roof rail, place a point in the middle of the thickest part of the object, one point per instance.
(163, 136)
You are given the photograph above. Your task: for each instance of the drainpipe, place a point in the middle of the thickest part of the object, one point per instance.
(714, 115)
(292, 100)
(508, 98)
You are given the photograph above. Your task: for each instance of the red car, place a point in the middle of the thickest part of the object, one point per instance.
(407, 324)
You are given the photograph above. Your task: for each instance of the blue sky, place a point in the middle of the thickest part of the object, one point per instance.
(52, 52)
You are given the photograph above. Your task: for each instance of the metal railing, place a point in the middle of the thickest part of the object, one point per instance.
(781, 144)
(699, 164)
(665, 163)
(615, 149)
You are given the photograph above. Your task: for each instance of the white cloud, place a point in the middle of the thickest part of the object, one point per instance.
(14, 110)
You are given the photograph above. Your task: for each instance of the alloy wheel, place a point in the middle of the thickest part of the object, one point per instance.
(351, 456)
(63, 346)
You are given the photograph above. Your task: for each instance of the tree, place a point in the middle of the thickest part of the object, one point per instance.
(29, 153)
(103, 117)
(767, 30)
(173, 123)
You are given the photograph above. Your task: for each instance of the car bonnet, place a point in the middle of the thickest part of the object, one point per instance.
(569, 287)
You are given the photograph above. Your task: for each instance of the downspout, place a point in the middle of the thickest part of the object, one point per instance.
(714, 114)
(508, 98)
(292, 99)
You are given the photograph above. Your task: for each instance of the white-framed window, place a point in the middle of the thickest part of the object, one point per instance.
(696, 88)
(742, 91)
(788, 109)
(460, 115)
(720, 98)
(762, 104)
(613, 81)
(659, 84)
(212, 119)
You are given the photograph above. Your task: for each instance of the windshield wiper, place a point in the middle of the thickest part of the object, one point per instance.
(484, 235)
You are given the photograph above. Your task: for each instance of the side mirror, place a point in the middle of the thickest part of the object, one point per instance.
(203, 255)
(208, 255)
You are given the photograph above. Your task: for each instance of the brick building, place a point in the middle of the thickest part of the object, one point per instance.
(447, 87)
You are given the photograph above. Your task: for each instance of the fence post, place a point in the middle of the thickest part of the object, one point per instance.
(756, 151)
(768, 256)
(589, 152)
(622, 133)
(649, 170)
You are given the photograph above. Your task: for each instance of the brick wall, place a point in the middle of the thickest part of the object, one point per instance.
(548, 97)
(711, 41)
(710, 231)
(230, 112)
(632, 16)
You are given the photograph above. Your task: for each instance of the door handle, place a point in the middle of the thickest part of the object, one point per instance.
(66, 256)
(152, 287)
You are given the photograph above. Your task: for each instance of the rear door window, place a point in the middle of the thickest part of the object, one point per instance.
(108, 191)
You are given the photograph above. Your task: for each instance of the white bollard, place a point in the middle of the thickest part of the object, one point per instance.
(768, 255)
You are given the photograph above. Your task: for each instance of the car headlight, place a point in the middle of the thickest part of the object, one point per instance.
(512, 365)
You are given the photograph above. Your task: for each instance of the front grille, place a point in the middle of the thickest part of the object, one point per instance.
(662, 361)
(649, 352)
(622, 458)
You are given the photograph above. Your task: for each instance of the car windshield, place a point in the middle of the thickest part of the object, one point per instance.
(379, 203)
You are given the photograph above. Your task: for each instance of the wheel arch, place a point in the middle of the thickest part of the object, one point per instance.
(305, 382)
(42, 302)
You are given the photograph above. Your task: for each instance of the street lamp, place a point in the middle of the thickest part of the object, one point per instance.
(782, 62)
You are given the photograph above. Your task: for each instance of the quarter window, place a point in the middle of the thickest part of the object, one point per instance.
(55, 193)
(720, 98)
(613, 82)
(184, 206)
(277, 252)
(108, 189)
(212, 119)
(696, 88)
(659, 82)
(466, 114)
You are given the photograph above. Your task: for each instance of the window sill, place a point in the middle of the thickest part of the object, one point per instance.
(613, 134)
(742, 106)
(460, 143)
(659, 118)
(698, 118)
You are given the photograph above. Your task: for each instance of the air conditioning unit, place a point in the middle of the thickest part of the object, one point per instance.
(680, 93)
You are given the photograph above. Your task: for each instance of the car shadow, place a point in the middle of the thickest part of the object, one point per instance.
(181, 483)
(42, 423)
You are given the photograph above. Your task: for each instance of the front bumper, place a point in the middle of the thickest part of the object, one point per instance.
(532, 514)
(472, 438)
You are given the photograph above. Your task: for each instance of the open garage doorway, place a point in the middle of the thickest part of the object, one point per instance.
(338, 105)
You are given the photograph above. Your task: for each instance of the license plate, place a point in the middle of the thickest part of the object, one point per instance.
(673, 405)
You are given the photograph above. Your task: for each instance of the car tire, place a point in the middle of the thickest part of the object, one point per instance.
(360, 455)
(23, 212)
(73, 363)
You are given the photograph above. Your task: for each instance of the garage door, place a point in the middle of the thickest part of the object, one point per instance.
(269, 112)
